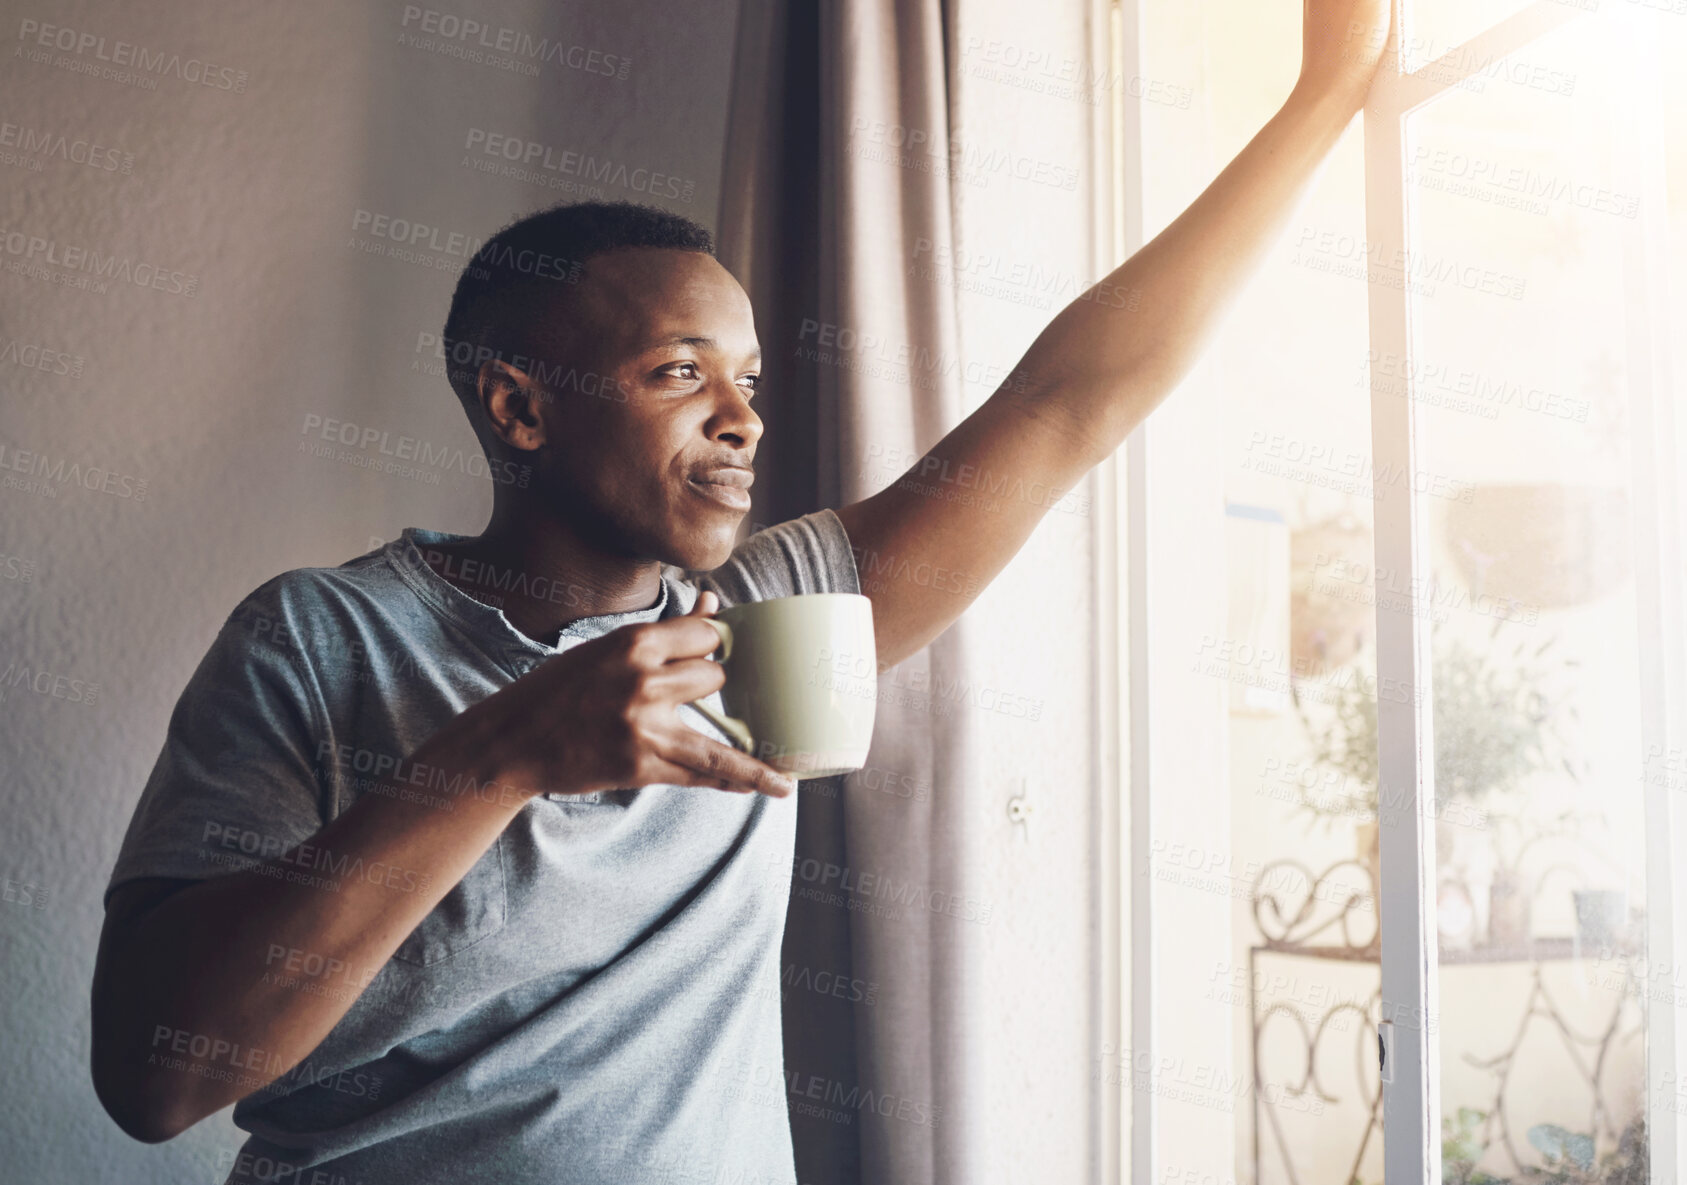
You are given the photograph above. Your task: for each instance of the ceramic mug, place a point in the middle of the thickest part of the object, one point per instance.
(801, 681)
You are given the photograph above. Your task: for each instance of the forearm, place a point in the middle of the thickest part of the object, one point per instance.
(226, 985)
(1091, 376)
(1106, 360)
(1111, 356)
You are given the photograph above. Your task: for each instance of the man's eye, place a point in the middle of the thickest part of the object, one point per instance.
(753, 381)
(684, 370)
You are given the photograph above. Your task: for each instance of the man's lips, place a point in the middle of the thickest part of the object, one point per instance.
(727, 484)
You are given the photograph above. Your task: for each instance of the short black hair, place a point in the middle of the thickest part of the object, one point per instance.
(524, 269)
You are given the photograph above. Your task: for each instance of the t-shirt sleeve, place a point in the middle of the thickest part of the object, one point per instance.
(810, 554)
(235, 783)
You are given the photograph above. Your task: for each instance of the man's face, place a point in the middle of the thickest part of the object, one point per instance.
(648, 430)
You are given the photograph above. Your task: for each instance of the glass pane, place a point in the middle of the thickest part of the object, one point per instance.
(1440, 26)
(1267, 978)
(1525, 206)
(1301, 612)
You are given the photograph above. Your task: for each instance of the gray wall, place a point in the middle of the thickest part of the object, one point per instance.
(243, 197)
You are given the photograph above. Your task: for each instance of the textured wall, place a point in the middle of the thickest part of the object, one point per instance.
(1029, 99)
(240, 154)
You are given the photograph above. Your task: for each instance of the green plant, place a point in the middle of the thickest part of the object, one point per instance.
(1562, 1151)
(1568, 1158)
(1499, 716)
(1462, 1147)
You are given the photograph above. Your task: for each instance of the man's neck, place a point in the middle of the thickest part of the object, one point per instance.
(543, 576)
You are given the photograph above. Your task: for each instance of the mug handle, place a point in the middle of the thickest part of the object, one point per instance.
(730, 725)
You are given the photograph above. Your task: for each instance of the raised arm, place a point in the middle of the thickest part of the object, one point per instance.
(1106, 360)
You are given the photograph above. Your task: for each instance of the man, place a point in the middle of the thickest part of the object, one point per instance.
(433, 877)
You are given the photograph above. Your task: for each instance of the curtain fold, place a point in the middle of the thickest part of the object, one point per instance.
(836, 175)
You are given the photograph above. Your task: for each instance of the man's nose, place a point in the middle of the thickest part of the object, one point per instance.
(734, 420)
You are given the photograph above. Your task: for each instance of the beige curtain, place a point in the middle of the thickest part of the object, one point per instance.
(820, 219)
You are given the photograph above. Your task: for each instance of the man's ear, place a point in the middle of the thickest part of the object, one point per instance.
(509, 398)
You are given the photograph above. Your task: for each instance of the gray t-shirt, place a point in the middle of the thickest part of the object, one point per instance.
(597, 1001)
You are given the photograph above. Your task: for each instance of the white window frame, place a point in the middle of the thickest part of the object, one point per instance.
(1125, 1146)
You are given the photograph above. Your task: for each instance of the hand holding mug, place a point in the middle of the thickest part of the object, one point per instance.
(605, 715)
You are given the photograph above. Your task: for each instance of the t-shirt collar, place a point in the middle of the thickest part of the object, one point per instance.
(488, 621)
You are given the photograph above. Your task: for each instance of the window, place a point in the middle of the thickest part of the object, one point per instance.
(1404, 602)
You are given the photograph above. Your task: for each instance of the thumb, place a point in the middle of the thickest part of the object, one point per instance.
(707, 603)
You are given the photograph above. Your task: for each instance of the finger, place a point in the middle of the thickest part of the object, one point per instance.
(685, 679)
(697, 752)
(685, 637)
(707, 603)
(668, 774)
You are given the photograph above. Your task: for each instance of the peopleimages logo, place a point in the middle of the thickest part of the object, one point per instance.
(61, 472)
(40, 142)
(37, 254)
(882, 888)
(532, 159)
(126, 54)
(410, 233)
(29, 356)
(50, 684)
(254, 845)
(412, 448)
(451, 34)
(223, 1060)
